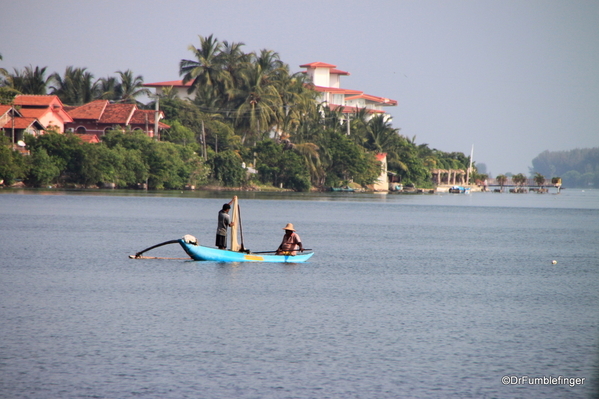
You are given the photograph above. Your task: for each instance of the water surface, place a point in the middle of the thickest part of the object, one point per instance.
(416, 296)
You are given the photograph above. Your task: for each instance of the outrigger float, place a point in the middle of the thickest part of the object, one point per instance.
(236, 253)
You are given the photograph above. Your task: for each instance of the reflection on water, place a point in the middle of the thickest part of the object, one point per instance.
(407, 296)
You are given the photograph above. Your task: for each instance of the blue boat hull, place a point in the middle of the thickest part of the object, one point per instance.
(198, 252)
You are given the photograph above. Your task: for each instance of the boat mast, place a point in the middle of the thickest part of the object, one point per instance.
(469, 166)
(235, 221)
(242, 248)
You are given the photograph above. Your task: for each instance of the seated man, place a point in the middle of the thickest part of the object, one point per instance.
(291, 242)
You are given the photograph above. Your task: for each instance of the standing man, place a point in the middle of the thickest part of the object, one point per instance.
(224, 221)
(291, 242)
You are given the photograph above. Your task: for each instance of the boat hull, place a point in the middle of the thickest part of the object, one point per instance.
(459, 190)
(198, 252)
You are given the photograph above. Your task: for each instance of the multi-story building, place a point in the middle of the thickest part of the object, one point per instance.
(326, 79)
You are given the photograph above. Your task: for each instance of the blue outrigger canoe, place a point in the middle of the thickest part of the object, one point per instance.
(198, 252)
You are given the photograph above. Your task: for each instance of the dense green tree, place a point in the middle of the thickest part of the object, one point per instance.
(44, 170)
(169, 165)
(65, 150)
(179, 134)
(12, 165)
(345, 161)
(227, 168)
(281, 165)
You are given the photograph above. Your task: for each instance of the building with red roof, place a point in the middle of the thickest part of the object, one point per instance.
(15, 125)
(99, 116)
(326, 80)
(177, 85)
(48, 110)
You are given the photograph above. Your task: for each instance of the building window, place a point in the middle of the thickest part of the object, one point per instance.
(81, 130)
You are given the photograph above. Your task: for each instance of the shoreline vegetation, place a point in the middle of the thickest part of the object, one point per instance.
(252, 123)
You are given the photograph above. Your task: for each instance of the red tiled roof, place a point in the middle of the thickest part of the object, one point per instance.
(318, 65)
(4, 109)
(36, 100)
(382, 100)
(380, 156)
(174, 83)
(51, 103)
(139, 118)
(91, 110)
(88, 137)
(24, 123)
(117, 114)
(336, 90)
(338, 72)
(34, 112)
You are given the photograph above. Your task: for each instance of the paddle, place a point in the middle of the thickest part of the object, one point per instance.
(270, 252)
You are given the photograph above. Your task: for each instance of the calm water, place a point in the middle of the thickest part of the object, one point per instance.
(435, 296)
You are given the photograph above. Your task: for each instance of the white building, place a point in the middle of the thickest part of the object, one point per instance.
(326, 79)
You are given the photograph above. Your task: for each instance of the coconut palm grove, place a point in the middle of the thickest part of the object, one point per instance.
(251, 123)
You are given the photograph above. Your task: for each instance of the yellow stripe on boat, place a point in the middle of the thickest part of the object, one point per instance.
(253, 257)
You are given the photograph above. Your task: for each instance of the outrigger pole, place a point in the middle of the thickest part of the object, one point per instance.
(138, 255)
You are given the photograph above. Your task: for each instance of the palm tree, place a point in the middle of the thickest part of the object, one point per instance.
(331, 117)
(28, 81)
(108, 88)
(296, 101)
(2, 70)
(130, 87)
(519, 180)
(358, 125)
(539, 179)
(501, 179)
(380, 135)
(207, 71)
(232, 57)
(309, 151)
(76, 87)
(270, 63)
(260, 103)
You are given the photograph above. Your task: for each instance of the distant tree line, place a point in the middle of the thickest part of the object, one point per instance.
(577, 168)
(248, 110)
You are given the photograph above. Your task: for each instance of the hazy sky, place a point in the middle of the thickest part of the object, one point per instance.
(512, 78)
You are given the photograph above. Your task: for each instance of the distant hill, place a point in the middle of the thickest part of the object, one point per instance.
(577, 168)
